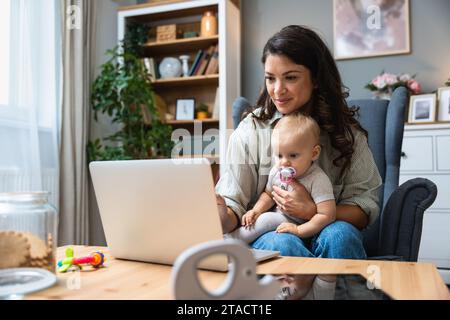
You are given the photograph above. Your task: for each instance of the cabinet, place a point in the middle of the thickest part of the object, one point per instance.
(215, 90)
(426, 153)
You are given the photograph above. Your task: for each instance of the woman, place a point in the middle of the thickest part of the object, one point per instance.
(301, 76)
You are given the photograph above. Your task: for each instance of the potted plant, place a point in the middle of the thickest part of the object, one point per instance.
(123, 90)
(202, 111)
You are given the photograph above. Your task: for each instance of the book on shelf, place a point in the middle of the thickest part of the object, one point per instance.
(213, 65)
(196, 62)
(205, 61)
(151, 68)
(200, 63)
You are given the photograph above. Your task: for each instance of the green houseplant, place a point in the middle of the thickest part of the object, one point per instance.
(202, 111)
(123, 90)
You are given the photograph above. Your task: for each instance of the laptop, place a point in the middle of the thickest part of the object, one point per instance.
(153, 210)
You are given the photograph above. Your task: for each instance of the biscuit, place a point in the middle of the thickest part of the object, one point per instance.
(14, 249)
(38, 249)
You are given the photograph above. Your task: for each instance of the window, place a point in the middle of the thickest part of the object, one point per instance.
(30, 34)
(5, 12)
(29, 62)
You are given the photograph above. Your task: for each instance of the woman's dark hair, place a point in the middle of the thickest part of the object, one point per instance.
(327, 104)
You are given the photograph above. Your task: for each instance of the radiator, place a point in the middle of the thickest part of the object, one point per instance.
(15, 180)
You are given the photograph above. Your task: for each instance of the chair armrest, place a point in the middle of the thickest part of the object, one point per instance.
(401, 221)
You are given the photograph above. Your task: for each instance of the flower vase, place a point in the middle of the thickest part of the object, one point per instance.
(382, 95)
(208, 24)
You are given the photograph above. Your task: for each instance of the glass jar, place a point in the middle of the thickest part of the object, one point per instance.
(208, 24)
(28, 231)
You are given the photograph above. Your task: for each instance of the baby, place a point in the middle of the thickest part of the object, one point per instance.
(295, 146)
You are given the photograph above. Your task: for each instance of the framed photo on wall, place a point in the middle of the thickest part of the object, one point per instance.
(368, 28)
(422, 108)
(185, 109)
(444, 104)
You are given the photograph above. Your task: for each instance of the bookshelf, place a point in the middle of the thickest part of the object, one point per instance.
(191, 81)
(217, 88)
(176, 122)
(181, 45)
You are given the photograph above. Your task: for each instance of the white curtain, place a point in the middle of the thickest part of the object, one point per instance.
(78, 47)
(30, 66)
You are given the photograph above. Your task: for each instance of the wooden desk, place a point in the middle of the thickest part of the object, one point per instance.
(135, 280)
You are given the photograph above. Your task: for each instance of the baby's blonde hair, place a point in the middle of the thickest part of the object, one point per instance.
(300, 125)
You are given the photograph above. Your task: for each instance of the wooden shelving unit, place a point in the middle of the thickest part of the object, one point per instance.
(215, 90)
(212, 79)
(181, 45)
(175, 122)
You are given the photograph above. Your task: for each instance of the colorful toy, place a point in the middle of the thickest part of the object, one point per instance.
(95, 259)
(287, 174)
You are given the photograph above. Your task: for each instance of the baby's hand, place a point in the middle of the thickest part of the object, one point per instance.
(249, 218)
(287, 227)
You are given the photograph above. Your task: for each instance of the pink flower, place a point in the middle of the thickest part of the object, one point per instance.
(414, 86)
(379, 82)
(390, 79)
(405, 77)
(387, 82)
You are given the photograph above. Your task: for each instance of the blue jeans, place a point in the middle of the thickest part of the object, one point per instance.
(339, 240)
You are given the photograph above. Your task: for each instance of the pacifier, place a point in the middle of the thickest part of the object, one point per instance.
(287, 174)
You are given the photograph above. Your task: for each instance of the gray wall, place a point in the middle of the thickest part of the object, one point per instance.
(106, 39)
(430, 48)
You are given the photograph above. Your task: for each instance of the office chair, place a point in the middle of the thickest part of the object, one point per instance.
(396, 233)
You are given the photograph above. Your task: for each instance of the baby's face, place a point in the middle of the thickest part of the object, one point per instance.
(297, 151)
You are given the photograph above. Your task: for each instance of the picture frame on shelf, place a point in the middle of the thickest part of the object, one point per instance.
(185, 109)
(422, 108)
(444, 104)
(364, 28)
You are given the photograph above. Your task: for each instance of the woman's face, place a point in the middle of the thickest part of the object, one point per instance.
(289, 85)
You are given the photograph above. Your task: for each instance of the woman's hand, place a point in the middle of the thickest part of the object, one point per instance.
(227, 216)
(297, 203)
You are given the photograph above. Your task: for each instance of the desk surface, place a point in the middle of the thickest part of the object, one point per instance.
(122, 279)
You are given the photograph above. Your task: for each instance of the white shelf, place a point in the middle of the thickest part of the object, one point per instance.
(430, 126)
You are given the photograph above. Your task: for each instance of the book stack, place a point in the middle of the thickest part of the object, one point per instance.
(206, 62)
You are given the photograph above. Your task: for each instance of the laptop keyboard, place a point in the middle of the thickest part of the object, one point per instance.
(260, 255)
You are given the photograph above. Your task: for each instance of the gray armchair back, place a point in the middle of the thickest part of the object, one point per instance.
(383, 119)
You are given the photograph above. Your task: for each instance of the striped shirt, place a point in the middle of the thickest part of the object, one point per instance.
(249, 162)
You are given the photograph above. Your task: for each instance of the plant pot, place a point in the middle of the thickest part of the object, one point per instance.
(202, 115)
